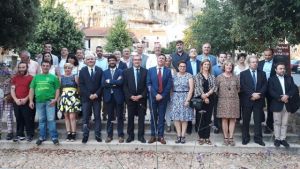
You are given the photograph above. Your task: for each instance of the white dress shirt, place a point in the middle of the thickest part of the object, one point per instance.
(281, 80)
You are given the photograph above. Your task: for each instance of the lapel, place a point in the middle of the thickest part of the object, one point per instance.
(251, 79)
(164, 74)
(132, 78)
(112, 77)
(279, 85)
(156, 76)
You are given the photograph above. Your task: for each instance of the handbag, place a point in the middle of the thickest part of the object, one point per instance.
(196, 103)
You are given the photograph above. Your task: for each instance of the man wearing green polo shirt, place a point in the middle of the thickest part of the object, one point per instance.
(45, 88)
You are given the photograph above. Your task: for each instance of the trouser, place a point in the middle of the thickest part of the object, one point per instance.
(257, 111)
(203, 120)
(112, 108)
(139, 109)
(8, 109)
(46, 115)
(270, 119)
(158, 117)
(217, 120)
(280, 124)
(24, 118)
(87, 108)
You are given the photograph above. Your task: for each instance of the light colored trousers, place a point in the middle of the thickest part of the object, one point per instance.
(280, 124)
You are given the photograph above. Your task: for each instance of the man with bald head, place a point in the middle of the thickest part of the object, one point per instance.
(206, 48)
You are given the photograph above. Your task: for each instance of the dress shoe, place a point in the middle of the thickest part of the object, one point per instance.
(84, 140)
(39, 142)
(260, 143)
(142, 140)
(121, 139)
(129, 139)
(162, 140)
(108, 139)
(284, 143)
(277, 143)
(9, 136)
(152, 140)
(98, 139)
(245, 142)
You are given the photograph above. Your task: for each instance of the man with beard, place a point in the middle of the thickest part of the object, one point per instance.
(20, 93)
(101, 61)
(113, 96)
(179, 55)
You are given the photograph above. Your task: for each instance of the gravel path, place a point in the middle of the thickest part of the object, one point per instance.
(62, 158)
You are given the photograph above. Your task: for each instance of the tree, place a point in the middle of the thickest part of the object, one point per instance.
(57, 27)
(17, 22)
(213, 25)
(118, 37)
(171, 48)
(263, 23)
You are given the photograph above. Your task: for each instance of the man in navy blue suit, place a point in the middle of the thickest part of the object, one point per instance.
(113, 96)
(90, 92)
(253, 89)
(159, 80)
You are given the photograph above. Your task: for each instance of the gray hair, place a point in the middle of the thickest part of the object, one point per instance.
(25, 52)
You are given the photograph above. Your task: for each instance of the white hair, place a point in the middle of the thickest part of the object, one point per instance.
(89, 54)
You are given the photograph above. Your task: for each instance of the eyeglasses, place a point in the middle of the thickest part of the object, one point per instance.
(67, 67)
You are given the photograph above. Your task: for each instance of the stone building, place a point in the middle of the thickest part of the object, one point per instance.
(161, 20)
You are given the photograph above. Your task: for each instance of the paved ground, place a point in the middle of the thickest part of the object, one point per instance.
(76, 159)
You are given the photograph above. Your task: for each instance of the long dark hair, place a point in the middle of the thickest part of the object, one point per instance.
(72, 56)
(43, 58)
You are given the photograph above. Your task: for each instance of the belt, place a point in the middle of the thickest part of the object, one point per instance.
(66, 89)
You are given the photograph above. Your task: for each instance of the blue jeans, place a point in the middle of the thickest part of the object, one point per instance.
(46, 115)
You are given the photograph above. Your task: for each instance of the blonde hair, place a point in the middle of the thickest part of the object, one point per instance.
(68, 65)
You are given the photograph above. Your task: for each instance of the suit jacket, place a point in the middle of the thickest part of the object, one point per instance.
(90, 85)
(248, 88)
(212, 58)
(275, 92)
(129, 87)
(261, 67)
(189, 66)
(152, 82)
(115, 84)
(122, 65)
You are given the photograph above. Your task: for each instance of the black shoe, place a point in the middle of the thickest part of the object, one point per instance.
(73, 136)
(104, 118)
(129, 139)
(277, 143)
(142, 140)
(39, 142)
(182, 140)
(29, 138)
(245, 142)
(284, 143)
(16, 139)
(55, 142)
(9, 136)
(260, 143)
(178, 140)
(216, 131)
(22, 138)
(69, 137)
(98, 138)
(84, 140)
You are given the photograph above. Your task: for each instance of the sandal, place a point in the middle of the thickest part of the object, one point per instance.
(201, 141)
(231, 142)
(226, 142)
(207, 141)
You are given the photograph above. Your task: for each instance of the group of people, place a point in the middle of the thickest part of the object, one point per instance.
(91, 83)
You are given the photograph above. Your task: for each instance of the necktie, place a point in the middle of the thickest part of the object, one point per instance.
(92, 72)
(137, 77)
(254, 79)
(159, 77)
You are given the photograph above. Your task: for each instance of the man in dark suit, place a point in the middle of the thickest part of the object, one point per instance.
(253, 88)
(159, 80)
(281, 88)
(192, 67)
(113, 97)
(90, 92)
(135, 90)
(268, 66)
